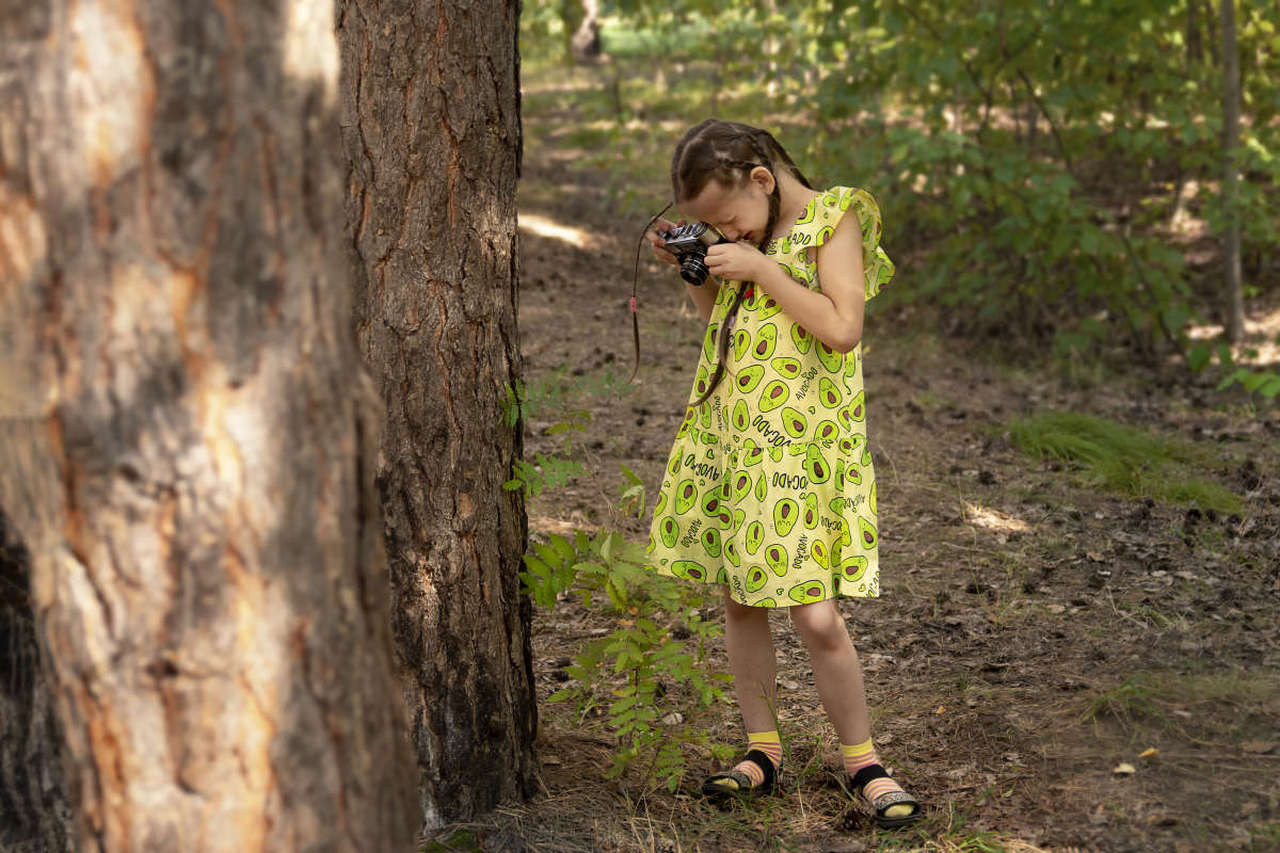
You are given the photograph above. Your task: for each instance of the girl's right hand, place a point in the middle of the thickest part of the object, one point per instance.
(657, 242)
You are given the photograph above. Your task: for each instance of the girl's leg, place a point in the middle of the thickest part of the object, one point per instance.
(837, 672)
(752, 662)
(838, 676)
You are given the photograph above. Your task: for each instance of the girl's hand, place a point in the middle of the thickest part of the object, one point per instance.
(739, 261)
(657, 242)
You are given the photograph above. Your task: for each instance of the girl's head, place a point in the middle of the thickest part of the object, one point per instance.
(725, 173)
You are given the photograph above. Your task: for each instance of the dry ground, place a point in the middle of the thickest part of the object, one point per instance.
(1034, 632)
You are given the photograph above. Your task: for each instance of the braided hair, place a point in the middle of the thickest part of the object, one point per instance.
(727, 151)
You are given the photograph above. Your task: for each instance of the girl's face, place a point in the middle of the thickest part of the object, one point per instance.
(739, 213)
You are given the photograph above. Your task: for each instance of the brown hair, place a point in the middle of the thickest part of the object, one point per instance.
(727, 151)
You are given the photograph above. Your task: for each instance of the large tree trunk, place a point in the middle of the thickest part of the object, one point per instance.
(35, 816)
(187, 441)
(432, 132)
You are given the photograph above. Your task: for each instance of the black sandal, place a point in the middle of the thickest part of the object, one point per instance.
(881, 804)
(717, 786)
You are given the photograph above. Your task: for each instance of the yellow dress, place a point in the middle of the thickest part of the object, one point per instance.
(769, 488)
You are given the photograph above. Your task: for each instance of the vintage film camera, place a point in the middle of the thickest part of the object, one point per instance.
(689, 244)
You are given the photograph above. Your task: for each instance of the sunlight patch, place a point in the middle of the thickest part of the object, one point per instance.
(993, 519)
(1262, 331)
(541, 226)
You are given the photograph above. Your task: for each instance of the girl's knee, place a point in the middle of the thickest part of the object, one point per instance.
(734, 610)
(820, 625)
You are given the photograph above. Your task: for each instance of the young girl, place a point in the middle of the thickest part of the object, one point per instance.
(769, 490)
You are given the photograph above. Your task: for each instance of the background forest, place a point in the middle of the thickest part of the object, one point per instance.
(1078, 636)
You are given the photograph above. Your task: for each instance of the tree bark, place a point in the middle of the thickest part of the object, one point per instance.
(186, 440)
(1231, 174)
(431, 121)
(35, 815)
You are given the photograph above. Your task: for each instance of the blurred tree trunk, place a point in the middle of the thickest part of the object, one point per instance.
(431, 119)
(1231, 174)
(35, 816)
(584, 46)
(186, 437)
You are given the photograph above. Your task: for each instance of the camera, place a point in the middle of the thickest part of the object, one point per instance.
(689, 244)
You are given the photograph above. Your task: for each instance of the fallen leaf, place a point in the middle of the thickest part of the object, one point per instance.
(1124, 770)
(941, 709)
(1056, 608)
(1258, 747)
(1149, 753)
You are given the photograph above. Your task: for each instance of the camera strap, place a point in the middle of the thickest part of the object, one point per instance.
(635, 277)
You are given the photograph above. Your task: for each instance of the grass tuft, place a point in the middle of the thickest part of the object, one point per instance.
(1124, 459)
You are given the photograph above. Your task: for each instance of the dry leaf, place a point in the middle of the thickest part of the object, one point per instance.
(1124, 770)
(1258, 747)
(1150, 753)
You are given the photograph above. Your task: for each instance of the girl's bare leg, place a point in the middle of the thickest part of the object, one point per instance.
(836, 669)
(752, 662)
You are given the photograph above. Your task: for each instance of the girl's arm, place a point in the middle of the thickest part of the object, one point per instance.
(834, 315)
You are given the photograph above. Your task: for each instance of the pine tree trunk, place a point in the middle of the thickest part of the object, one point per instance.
(186, 441)
(432, 135)
(1231, 174)
(35, 816)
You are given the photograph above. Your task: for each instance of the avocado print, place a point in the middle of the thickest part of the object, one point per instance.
(731, 553)
(756, 578)
(711, 541)
(824, 234)
(807, 592)
(785, 513)
(669, 530)
(820, 554)
(722, 576)
(766, 603)
(833, 361)
(752, 453)
(856, 409)
(816, 466)
(741, 340)
(662, 502)
(690, 415)
(828, 394)
(769, 308)
(704, 418)
(774, 395)
(854, 567)
(686, 494)
(871, 500)
(689, 569)
(810, 210)
(709, 342)
(700, 384)
(754, 536)
(866, 533)
(826, 431)
(851, 363)
(776, 556)
(749, 377)
(810, 515)
(787, 367)
(741, 420)
(765, 341)
(762, 487)
(795, 424)
(739, 516)
(741, 486)
(802, 339)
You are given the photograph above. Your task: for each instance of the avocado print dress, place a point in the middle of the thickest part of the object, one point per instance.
(769, 488)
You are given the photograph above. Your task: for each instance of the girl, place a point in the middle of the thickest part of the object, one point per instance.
(769, 490)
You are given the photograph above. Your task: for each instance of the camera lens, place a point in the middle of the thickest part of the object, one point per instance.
(693, 269)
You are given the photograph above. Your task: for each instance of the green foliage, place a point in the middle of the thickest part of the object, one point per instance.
(1030, 158)
(1265, 383)
(654, 662)
(1123, 459)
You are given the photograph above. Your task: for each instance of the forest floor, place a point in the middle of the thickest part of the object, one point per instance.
(1035, 631)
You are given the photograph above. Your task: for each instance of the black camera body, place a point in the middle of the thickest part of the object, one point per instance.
(689, 244)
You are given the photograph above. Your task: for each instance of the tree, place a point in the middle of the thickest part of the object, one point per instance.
(1231, 173)
(187, 435)
(431, 123)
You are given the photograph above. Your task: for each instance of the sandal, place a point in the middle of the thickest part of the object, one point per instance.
(735, 783)
(880, 805)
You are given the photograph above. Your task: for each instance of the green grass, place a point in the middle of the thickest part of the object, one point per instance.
(1123, 459)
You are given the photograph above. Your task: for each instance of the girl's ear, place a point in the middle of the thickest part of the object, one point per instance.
(762, 178)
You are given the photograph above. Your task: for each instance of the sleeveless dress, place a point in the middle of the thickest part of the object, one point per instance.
(769, 487)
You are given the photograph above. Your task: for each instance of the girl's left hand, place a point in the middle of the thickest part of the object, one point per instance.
(739, 261)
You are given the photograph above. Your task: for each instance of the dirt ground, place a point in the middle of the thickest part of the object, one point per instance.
(1034, 633)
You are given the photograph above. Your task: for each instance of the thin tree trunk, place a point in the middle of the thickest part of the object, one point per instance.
(432, 133)
(35, 815)
(187, 453)
(1231, 174)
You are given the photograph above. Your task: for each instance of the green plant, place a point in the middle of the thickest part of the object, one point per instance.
(1126, 703)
